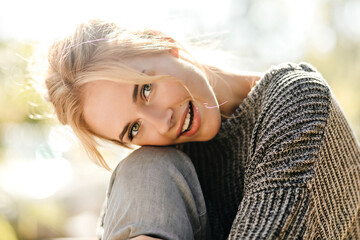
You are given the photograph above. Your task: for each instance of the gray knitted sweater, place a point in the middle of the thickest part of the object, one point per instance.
(288, 167)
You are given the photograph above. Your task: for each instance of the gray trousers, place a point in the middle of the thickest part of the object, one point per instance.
(155, 191)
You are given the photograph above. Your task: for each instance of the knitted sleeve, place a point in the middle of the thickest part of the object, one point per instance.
(284, 148)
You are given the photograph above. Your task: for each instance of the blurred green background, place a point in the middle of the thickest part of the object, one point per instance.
(49, 189)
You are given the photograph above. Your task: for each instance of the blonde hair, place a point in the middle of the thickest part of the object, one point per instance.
(95, 52)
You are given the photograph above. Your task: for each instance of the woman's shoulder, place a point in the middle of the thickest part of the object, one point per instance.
(291, 67)
(294, 83)
(293, 113)
(294, 99)
(285, 92)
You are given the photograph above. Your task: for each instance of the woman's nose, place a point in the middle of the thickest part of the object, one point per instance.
(160, 119)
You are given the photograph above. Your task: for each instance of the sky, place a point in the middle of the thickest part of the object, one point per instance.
(41, 19)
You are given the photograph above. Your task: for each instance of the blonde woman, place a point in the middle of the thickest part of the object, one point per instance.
(259, 156)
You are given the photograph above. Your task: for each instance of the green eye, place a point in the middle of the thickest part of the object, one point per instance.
(134, 130)
(146, 90)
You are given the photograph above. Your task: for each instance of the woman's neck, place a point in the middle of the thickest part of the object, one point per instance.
(232, 88)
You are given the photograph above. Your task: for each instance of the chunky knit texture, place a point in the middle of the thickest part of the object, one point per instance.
(286, 167)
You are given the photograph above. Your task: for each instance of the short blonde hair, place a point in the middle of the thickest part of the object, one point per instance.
(95, 52)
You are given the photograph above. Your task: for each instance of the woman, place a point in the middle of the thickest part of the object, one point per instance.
(252, 157)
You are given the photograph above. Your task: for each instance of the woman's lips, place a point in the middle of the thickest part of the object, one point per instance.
(195, 125)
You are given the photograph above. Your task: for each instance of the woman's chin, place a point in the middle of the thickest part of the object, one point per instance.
(210, 133)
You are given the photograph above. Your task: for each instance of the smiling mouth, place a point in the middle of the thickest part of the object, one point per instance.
(188, 119)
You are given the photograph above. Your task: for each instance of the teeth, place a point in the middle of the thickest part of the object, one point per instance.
(186, 122)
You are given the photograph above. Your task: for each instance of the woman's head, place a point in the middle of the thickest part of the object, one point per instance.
(92, 77)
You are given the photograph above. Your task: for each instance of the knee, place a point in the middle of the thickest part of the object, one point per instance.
(157, 187)
(150, 169)
(153, 163)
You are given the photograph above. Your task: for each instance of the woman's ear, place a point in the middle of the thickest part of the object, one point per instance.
(174, 52)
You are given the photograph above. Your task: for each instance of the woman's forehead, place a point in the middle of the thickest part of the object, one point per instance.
(107, 91)
(148, 61)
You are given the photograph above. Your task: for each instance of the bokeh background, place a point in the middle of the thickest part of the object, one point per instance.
(49, 189)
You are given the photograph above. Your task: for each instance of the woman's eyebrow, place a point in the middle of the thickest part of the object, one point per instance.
(134, 96)
(135, 93)
(121, 136)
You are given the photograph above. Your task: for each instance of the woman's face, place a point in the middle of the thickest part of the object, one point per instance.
(160, 113)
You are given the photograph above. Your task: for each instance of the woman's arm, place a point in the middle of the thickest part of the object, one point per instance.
(285, 148)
